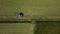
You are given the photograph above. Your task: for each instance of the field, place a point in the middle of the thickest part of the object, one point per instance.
(42, 27)
(16, 28)
(31, 8)
(34, 10)
(48, 28)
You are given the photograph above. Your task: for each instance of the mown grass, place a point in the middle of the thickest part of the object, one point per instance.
(30, 7)
(16, 28)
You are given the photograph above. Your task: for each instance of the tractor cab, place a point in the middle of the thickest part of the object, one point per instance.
(20, 14)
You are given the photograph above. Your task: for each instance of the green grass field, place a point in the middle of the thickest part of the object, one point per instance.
(32, 9)
(16, 28)
(48, 28)
(29, 28)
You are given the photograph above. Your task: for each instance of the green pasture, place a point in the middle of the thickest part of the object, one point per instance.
(30, 28)
(34, 9)
(31, 8)
(16, 28)
(47, 28)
